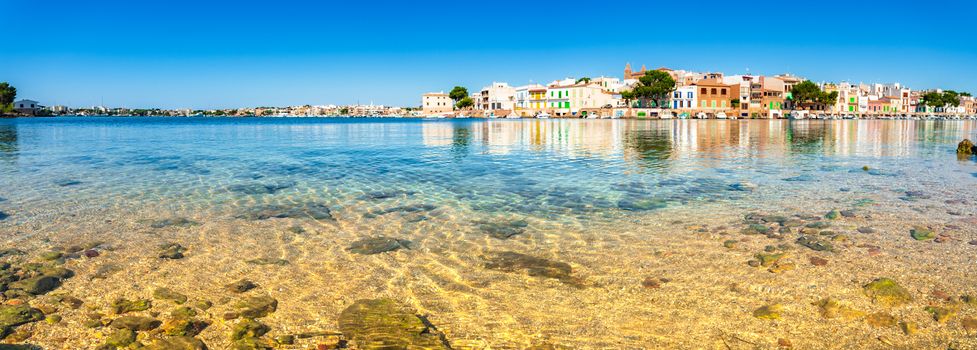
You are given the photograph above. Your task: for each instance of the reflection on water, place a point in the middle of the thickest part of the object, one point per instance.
(500, 233)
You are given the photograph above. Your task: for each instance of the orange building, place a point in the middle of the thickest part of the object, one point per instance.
(716, 96)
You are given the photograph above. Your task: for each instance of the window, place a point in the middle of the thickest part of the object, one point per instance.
(724, 91)
(703, 103)
(702, 91)
(724, 104)
(713, 91)
(690, 94)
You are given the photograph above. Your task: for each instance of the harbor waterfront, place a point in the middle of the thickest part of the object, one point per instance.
(488, 234)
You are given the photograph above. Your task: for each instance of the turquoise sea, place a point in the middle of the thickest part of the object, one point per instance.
(501, 233)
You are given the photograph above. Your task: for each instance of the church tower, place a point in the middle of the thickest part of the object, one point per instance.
(627, 71)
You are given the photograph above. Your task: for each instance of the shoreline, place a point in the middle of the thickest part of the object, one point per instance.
(827, 117)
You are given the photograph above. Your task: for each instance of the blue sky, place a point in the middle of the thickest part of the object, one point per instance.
(209, 54)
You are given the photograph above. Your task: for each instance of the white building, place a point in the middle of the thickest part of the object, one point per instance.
(27, 106)
(523, 97)
(498, 96)
(436, 103)
(685, 97)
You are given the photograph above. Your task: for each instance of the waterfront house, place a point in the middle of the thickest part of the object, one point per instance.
(714, 96)
(436, 103)
(29, 107)
(498, 96)
(685, 98)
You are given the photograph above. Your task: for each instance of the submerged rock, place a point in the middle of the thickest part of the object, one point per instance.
(15, 315)
(122, 306)
(387, 324)
(256, 306)
(815, 243)
(769, 259)
(37, 285)
(3, 215)
(921, 233)
(176, 343)
(136, 323)
(67, 182)
(966, 147)
(168, 294)
(941, 314)
(377, 245)
(503, 229)
(174, 222)
(248, 328)
(257, 188)
(314, 211)
(887, 292)
(881, 320)
(120, 338)
(268, 261)
(241, 286)
(769, 312)
(831, 308)
(183, 326)
(641, 204)
(172, 251)
(538, 267)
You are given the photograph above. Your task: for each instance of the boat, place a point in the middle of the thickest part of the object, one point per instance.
(798, 115)
(722, 115)
(543, 116)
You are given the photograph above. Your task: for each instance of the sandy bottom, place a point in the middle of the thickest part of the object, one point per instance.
(659, 279)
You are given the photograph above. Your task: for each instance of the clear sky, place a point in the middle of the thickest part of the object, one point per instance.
(209, 54)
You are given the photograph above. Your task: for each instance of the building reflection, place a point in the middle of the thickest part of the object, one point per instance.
(652, 142)
(8, 141)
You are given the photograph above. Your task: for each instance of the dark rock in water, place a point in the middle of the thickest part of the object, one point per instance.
(15, 315)
(135, 323)
(249, 329)
(268, 261)
(639, 204)
(184, 326)
(67, 182)
(37, 285)
(921, 233)
(380, 195)
(755, 229)
(800, 178)
(915, 195)
(887, 292)
(867, 230)
(168, 294)
(848, 213)
(176, 343)
(403, 209)
(387, 324)
(172, 251)
(120, 338)
(818, 261)
(11, 251)
(177, 222)
(121, 306)
(743, 187)
(538, 267)
(3, 215)
(256, 306)
(818, 225)
(966, 147)
(257, 188)
(241, 286)
(377, 245)
(314, 211)
(503, 229)
(815, 244)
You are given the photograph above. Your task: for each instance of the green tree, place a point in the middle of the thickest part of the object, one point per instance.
(458, 93)
(8, 94)
(967, 94)
(465, 102)
(807, 93)
(735, 103)
(344, 111)
(938, 101)
(583, 80)
(653, 87)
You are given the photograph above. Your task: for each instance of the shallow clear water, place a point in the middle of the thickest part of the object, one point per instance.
(619, 201)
